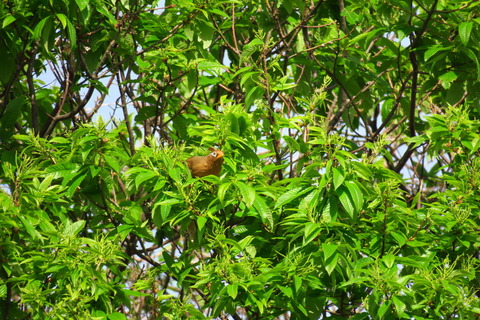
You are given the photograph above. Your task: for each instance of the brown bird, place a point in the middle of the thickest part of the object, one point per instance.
(201, 166)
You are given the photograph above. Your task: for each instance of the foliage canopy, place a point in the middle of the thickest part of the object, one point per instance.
(351, 182)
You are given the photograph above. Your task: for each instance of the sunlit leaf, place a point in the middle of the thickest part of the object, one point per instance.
(464, 30)
(247, 192)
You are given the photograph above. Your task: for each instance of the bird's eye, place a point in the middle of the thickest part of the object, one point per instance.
(214, 154)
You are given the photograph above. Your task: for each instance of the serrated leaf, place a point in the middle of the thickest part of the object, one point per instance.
(165, 210)
(464, 30)
(213, 66)
(362, 171)
(290, 195)
(252, 44)
(338, 177)
(144, 176)
(433, 50)
(169, 202)
(82, 4)
(331, 263)
(354, 281)
(74, 185)
(46, 183)
(264, 211)
(189, 33)
(112, 162)
(311, 232)
(292, 143)
(248, 76)
(346, 200)
(356, 195)
(247, 192)
(400, 238)
(309, 202)
(222, 190)
(29, 227)
(74, 228)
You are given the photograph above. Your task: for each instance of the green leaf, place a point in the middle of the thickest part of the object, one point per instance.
(311, 232)
(433, 50)
(290, 195)
(124, 230)
(37, 32)
(104, 11)
(331, 263)
(214, 67)
(72, 35)
(328, 250)
(384, 307)
(82, 4)
(116, 316)
(146, 113)
(74, 228)
(3, 291)
(338, 177)
(253, 94)
(471, 54)
(400, 238)
(282, 84)
(447, 78)
(416, 243)
(205, 34)
(169, 202)
(292, 143)
(63, 19)
(389, 260)
(29, 227)
(8, 19)
(356, 280)
(189, 32)
(309, 202)
(356, 194)
(232, 290)
(464, 30)
(400, 306)
(75, 184)
(144, 176)
(201, 221)
(346, 200)
(134, 293)
(264, 211)
(247, 192)
(222, 190)
(112, 162)
(168, 259)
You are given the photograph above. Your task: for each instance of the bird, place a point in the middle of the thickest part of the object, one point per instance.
(201, 166)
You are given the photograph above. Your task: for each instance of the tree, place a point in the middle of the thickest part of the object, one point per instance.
(350, 186)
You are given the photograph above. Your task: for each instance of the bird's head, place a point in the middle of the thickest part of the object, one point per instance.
(215, 154)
